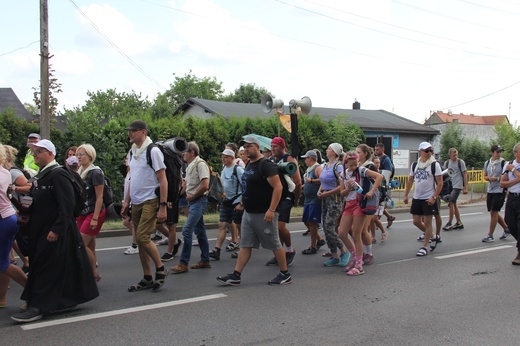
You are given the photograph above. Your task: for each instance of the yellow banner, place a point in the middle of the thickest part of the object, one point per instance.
(286, 121)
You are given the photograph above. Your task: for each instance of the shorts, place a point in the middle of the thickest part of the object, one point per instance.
(183, 202)
(284, 209)
(495, 201)
(352, 208)
(229, 214)
(172, 214)
(83, 222)
(421, 207)
(255, 231)
(454, 195)
(312, 213)
(144, 216)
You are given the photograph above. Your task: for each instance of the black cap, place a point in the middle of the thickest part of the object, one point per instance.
(496, 147)
(137, 125)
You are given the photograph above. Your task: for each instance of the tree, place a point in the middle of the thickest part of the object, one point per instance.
(54, 89)
(247, 93)
(192, 86)
(451, 138)
(507, 136)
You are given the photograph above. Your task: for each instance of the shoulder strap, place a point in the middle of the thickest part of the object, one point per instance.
(503, 163)
(460, 167)
(335, 170)
(236, 177)
(486, 164)
(149, 154)
(414, 166)
(433, 169)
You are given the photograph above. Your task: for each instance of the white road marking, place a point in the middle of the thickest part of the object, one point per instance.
(120, 312)
(471, 252)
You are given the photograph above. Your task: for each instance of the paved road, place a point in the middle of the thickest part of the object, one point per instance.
(463, 294)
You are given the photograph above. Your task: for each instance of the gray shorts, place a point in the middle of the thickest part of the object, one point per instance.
(454, 195)
(255, 231)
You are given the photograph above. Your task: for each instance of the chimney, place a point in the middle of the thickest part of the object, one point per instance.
(356, 104)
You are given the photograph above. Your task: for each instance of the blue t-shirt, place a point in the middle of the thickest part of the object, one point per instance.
(328, 178)
(232, 185)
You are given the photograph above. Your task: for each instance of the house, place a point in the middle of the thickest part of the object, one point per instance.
(401, 136)
(9, 99)
(474, 126)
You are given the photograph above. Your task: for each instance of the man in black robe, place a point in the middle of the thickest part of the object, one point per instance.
(60, 276)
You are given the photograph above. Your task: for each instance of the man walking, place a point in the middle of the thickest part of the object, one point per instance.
(511, 180)
(147, 209)
(385, 164)
(288, 199)
(28, 163)
(197, 185)
(460, 183)
(428, 186)
(262, 192)
(231, 209)
(60, 276)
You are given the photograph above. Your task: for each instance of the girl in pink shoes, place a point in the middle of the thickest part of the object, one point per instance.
(352, 216)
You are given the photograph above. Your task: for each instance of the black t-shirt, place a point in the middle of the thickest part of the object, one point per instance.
(94, 178)
(257, 190)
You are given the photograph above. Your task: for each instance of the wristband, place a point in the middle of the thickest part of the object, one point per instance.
(271, 210)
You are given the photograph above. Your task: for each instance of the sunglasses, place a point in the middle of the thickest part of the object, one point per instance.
(429, 150)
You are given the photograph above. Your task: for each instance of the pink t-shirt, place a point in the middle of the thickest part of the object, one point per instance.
(6, 208)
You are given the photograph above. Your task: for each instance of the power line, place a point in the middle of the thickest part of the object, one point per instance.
(119, 50)
(17, 49)
(481, 97)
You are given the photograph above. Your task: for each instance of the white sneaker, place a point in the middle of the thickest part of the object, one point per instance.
(131, 251)
(163, 241)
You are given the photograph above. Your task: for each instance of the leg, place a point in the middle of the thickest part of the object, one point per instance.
(244, 254)
(195, 213)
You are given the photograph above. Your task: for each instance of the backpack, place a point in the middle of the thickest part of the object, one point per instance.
(108, 194)
(172, 151)
(25, 173)
(80, 190)
(215, 192)
(287, 183)
(369, 206)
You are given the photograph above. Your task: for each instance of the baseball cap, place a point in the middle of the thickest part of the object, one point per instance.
(310, 153)
(250, 140)
(34, 135)
(228, 152)
(424, 146)
(137, 125)
(278, 141)
(45, 144)
(72, 160)
(496, 147)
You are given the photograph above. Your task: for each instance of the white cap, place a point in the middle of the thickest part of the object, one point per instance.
(424, 146)
(45, 144)
(228, 152)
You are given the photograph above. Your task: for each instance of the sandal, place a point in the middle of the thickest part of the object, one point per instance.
(350, 266)
(389, 221)
(383, 237)
(234, 255)
(141, 285)
(306, 233)
(309, 251)
(232, 246)
(356, 271)
(326, 254)
(433, 242)
(422, 252)
(160, 277)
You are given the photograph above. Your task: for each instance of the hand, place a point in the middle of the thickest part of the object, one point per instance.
(161, 215)
(52, 237)
(431, 201)
(239, 207)
(93, 224)
(269, 215)
(405, 199)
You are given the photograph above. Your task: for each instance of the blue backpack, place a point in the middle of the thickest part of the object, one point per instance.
(369, 206)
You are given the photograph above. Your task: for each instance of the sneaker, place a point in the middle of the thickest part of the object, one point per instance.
(384, 236)
(232, 246)
(320, 243)
(215, 254)
(458, 225)
(488, 239)
(309, 251)
(289, 256)
(505, 235)
(163, 241)
(421, 237)
(447, 227)
(30, 315)
(516, 261)
(331, 262)
(176, 247)
(230, 279)
(272, 262)
(368, 259)
(156, 237)
(166, 257)
(389, 221)
(281, 279)
(131, 251)
(306, 233)
(195, 242)
(344, 258)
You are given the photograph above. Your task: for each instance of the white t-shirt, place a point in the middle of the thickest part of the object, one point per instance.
(515, 188)
(143, 178)
(346, 176)
(425, 181)
(196, 171)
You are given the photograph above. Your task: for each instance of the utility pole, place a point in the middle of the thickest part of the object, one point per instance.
(45, 119)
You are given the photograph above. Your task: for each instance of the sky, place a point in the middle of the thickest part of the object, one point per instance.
(404, 56)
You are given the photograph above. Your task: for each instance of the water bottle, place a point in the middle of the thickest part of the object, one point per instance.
(357, 187)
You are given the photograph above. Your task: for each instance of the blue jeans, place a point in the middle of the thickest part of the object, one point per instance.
(195, 224)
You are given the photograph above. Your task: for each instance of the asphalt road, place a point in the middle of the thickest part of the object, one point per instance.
(461, 294)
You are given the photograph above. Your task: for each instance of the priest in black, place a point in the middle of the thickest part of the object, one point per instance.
(60, 276)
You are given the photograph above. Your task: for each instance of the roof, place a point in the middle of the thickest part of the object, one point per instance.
(468, 119)
(367, 120)
(9, 99)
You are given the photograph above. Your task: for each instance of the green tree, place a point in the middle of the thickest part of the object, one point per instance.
(451, 138)
(54, 89)
(507, 136)
(247, 93)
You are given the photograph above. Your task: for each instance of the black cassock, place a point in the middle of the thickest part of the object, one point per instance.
(60, 275)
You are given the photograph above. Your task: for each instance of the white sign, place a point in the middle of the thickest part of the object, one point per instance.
(401, 159)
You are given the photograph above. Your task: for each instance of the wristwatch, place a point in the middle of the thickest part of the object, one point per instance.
(163, 204)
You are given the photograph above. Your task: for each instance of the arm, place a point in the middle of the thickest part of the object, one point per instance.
(378, 178)
(276, 184)
(465, 181)
(438, 189)
(98, 189)
(163, 187)
(409, 184)
(504, 180)
(21, 185)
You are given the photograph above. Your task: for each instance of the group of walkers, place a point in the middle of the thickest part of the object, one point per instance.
(344, 196)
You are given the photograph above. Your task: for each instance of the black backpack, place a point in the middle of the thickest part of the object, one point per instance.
(80, 191)
(108, 194)
(172, 151)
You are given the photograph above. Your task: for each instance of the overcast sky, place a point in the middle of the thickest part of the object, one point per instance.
(404, 56)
